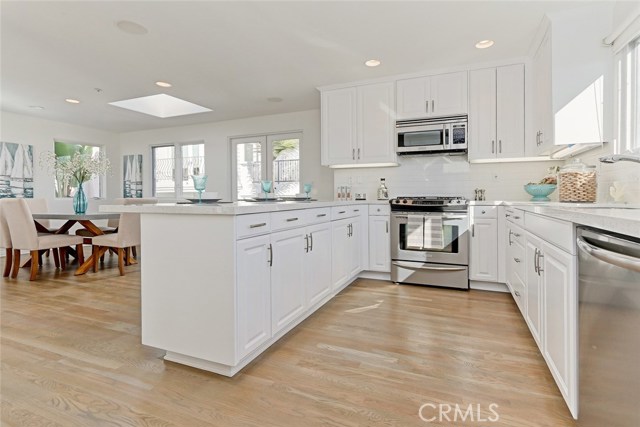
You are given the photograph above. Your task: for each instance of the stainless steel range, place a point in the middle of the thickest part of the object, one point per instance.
(430, 241)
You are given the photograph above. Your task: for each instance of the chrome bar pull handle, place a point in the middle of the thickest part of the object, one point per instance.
(386, 223)
(353, 154)
(262, 224)
(426, 106)
(473, 230)
(311, 241)
(433, 106)
(270, 260)
(499, 146)
(493, 146)
(358, 154)
(291, 219)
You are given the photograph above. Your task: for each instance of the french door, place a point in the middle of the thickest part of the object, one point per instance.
(265, 157)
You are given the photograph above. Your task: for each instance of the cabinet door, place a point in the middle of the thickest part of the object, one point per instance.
(543, 107)
(287, 277)
(354, 247)
(533, 279)
(317, 260)
(338, 126)
(449, 94)
(560, 320)
(482, 114)
(253, 293)
(376, 124)
(483, 263)
(379, 246)
(340, 231)
(412, 98)
(510, 111)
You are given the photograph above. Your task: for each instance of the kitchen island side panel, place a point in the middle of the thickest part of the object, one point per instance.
(187, 285)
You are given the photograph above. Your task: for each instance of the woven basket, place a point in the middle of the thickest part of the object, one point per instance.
(577, 186)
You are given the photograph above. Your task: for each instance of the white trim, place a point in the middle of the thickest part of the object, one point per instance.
(624, 33)
(488, 286)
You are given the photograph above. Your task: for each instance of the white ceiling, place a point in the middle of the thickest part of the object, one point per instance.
(232, 56)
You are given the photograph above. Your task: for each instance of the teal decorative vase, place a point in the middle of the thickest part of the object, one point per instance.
(80, 201)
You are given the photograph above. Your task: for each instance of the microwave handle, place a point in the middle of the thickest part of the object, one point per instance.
(447, 138)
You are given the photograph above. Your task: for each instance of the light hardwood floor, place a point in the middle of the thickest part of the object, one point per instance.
(71, 356)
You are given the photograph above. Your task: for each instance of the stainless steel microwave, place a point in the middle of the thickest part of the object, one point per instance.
(432, 136)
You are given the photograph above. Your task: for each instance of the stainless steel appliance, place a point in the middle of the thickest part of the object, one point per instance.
(430, 241)
(432, 136)
(609, 329)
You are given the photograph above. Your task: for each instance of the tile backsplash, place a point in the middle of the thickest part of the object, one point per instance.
(447, 175)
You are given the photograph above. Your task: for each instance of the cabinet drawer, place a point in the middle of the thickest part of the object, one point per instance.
(560, 233)
(515, 260)
(514, 215)
(515, 235)
(339, 212)
(519, 294)
(485, 211)
(252, 225)
(288, 219)
(379, 210)
(319, 215)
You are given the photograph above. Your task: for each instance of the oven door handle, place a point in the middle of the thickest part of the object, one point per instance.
(425, 267)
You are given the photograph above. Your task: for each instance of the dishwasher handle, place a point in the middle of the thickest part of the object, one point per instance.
(621, 260)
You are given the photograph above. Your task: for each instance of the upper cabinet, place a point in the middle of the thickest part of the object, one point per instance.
(358, 125)
(432, 96)
(542, 99)
(496, 113)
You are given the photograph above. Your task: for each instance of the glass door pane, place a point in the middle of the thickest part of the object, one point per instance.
(164, 173)
(192, 164)
(249, 171)
(285, 164)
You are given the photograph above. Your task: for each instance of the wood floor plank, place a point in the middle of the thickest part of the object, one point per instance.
(71, 356)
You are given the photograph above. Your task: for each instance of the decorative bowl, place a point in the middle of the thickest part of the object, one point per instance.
(540, 191)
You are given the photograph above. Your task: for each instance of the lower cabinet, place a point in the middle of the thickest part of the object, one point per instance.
(345, 259)
(534, 280)
(253, 285)
(483, 264)
(379, 244)
(317, 274)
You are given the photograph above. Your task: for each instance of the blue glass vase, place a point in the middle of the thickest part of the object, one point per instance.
(80, 201)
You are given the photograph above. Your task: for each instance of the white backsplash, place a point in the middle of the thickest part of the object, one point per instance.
(447, 176)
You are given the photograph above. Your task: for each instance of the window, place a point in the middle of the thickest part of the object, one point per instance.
(269, 157)
(628, 98)
(172, 182)
(66, 187)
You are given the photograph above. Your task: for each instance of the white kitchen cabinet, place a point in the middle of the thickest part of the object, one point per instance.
(358, 125)
(496, 113)
(345, 259)
(287, 261)
(431, 96)
(534, 279)
(379, 245)
(483, 251)
(253, 284)
(515, 261)
(560, 320)
(317, 261)
(542, 93)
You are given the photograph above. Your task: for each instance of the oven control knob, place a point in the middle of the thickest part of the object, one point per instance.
(458, 202)
(404, 201)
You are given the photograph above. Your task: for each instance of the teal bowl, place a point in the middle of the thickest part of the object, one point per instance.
(540, 191)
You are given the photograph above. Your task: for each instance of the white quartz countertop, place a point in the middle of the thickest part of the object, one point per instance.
(235, 208)
(617, 217)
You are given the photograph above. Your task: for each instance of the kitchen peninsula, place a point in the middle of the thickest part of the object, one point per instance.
(222, 282)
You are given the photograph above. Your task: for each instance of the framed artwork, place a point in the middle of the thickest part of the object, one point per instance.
(16, 170)
(132, 182)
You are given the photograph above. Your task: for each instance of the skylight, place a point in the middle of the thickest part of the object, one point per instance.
(161, 105)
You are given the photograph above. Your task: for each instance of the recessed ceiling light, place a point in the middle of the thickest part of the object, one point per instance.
(163, 84)
(72, 101)
(372, 63)
(274, 99)
(483, 44)
(161, 105)
(36, 107)
(130, 27)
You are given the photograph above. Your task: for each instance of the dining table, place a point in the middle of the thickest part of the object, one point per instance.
(86, 220)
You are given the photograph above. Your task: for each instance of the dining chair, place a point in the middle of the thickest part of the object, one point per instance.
(24, 236)
(41, 206)
(5, 241)
(112, 224)
(128, 236)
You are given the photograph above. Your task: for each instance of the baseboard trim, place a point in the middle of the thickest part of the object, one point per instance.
(488, 286)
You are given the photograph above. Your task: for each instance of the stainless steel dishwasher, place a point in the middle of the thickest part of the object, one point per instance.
(609, 329)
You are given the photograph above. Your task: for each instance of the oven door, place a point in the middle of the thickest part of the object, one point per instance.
(423, 138)
(454, 248)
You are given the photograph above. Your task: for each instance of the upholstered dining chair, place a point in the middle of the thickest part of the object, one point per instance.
(24, 236)
(41, 206)
(5, 241)
(112, 224)
(128, 236)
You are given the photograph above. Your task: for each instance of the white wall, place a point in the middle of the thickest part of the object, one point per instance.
(217, 147)
(41, 133)
(447, 176)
